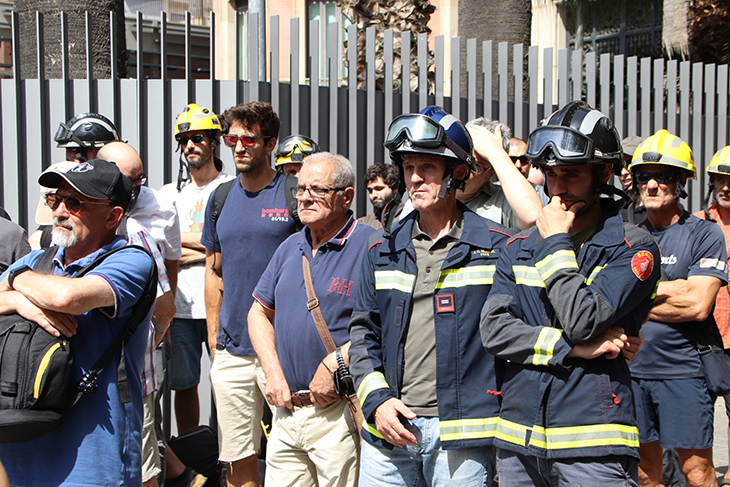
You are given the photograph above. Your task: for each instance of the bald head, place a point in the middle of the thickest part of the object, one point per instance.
(125, 157)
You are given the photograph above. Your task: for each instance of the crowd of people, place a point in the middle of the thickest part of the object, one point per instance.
(505, 315)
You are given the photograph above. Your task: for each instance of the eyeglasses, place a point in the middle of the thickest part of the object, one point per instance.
(196, 138)
(661, 177)
(316, 191)
(523, 159)
(246, 140)
(140, 181)
(73, 205)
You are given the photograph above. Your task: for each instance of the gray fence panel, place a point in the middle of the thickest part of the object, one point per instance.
(13, 146)
(618, 96)
(487, 56)
(388, 55)
(29, 189)
(563, 77)
(471, 79)
(722, 95)
(370, 55)
(405, 56)
(334, 59)
(709, 117)
(646, 96)
(227, 90)
(503, 73)
(351, 93)
(577, 75)
(81, 95)
(455, 78)
(658, 93)
(533, 80)
(605, 83)
(57, 114)
(275, 82)
(632, 75)
(294, 70)
(684, 94)
(128, 110)
(422, 40)
(438, 61)
(517, 64)
(158, 120)
(548, 81)
(314, 79)
(672, 96)
(591, 78)
(695, 193)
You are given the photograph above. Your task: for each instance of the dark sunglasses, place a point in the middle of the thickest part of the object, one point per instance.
(246, 140)
(73, 205)
(139, 182)
(196, 138)
(523, 159)
(661, 177)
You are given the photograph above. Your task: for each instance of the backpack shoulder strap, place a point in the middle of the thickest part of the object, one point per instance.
(44, 264)
(87, 383)
(219, 199)
(291, 202)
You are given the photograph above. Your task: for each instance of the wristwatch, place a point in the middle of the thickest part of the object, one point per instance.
(15, 273)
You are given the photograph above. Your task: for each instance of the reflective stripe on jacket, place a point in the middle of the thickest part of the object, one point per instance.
(545, 300)
(465, 373)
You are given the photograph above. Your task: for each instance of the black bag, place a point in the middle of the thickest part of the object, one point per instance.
(197, 448)
(715, 361)
(36, 367)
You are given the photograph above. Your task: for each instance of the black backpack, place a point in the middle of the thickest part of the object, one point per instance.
(36, 368)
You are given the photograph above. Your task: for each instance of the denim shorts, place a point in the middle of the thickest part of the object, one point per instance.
(186, 337)
(679, 412)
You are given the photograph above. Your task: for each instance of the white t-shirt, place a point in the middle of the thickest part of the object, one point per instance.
(190, 202)
(159, 217)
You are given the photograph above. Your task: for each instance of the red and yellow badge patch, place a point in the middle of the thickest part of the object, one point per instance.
(642, 264)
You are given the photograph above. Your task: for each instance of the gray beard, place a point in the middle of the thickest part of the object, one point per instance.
(61, 237)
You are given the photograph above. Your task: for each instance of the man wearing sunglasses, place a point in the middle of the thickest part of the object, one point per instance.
(426, 386)
(99, 441)
(197, 132)
(674, 407)
(512, 201)
(248, 229)
(561, 291)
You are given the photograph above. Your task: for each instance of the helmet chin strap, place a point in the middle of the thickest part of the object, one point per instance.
(448, 183)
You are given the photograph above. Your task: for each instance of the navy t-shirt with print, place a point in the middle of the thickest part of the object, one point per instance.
(690, 247)
(335, 274)
(250, 228)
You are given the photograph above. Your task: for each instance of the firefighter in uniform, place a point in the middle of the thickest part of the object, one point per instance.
(673, 404)
(425, 383)
(569, 299)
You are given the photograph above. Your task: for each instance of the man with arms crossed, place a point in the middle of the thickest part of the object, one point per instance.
(560, 294)
(674, 407)
(99, 442)
(253, 222)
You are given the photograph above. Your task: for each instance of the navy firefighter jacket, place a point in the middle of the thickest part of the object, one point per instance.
(466, 381)
(546, 299)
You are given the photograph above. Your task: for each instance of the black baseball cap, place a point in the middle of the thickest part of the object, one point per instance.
(96, 179)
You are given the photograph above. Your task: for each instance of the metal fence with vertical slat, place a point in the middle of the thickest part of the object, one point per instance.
(640, 95)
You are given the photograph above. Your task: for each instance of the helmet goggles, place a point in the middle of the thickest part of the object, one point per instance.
(422, 131)
(567, 143)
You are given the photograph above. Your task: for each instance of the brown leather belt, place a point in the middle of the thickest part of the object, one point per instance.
(301, 398)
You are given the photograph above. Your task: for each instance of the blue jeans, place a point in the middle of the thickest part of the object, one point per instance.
(427, 464)
(517, 470)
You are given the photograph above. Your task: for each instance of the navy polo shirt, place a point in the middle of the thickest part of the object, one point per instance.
(335, 273)
(690, 247)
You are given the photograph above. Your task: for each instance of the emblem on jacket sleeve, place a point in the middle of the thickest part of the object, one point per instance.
(642, 263)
